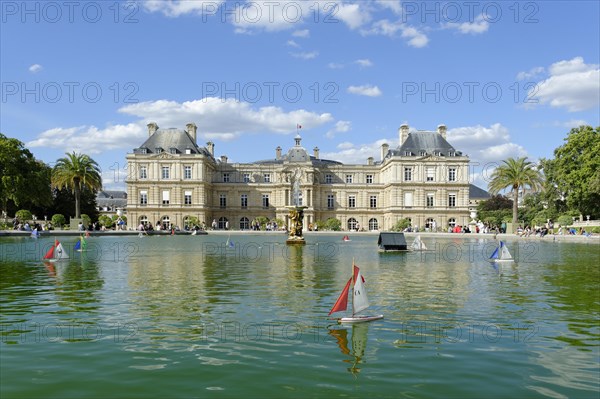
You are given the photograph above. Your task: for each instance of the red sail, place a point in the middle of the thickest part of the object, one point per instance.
(342, 301)
(50, 253)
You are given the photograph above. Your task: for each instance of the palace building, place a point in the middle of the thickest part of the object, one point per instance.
(423, 178)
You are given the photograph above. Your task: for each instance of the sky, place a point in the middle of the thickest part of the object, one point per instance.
(508, 79)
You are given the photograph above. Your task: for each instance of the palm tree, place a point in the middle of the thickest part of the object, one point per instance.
(515, 173)
(77, 172)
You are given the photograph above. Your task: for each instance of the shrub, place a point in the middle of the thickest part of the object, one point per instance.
(24, 215)
(105, 221)
(565, 220)
(86, 219)
(401, 225)
(333, 224)
(595, 230)
(58, 220)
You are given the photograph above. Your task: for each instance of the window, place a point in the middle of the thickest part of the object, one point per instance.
(352, 224)
(430, 200)
(452, 222)
(430, 173)
(267, 178)
(165, 172)
(158, 150)
(222, 200)
(299, 198)
(188, 151)
(422, 153)
(223, 223)
(244, 223)
(408, 199)
(328, 179)
(246, 177)
(351, 201)
(407, 153)
(430, 224)
(166, 197)
(173, 150)
(373, 224)
(452, 200)
(330, 201)
(451, 174)
(144, 220)
(166, 222)
(407, 174)
(143, 172)
(225, 177)
(452, 154)
(369, 179)
(244, 200)
(143, 197)
(144, 150)
(265, 200)
(187, 198)
(373, 201)
(348, 178)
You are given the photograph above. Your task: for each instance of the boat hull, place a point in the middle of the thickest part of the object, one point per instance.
(359, 319)
(501, 260)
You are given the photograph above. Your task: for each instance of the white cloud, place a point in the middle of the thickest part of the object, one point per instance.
(90, 139)
(350, 153)
(305, 55)
(268, 16)
(485, 144)
(335, 65)
(340, 127)
(364, 63)
(479, 25)
(383, 27)
(35, 68)
(301, 33)
(570, 124)
(365, 90)
(533, 73)
(354, 15)
(572, 84)
(292, 43)
(175, 8)
(223, 118)
(415, 37)
(393, 5)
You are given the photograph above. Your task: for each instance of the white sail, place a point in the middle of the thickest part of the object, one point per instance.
(359, 298)
(60, 253)
(418, 245)
(504, 253)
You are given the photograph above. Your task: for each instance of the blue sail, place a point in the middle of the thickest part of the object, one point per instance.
(78, 245)
(495, 254)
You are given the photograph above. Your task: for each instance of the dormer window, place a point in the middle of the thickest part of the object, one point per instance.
(173, 150)
(143, 150)
(422, 153)
(407, 153)
(452, 154)
(188, 151)
(158, 150)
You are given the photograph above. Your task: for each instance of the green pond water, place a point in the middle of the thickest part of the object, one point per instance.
(187, 316)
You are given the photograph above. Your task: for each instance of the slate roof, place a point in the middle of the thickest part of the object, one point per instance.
(111, 199)
(431, 142)
(171, 139)
(478, 193)
(392, 241)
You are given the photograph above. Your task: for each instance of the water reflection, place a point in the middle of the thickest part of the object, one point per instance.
(358, 339)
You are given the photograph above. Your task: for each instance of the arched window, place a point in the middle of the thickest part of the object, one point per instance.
(429, 223)
(452, 222)
(166, 222)
(352, 224)
(144, 220)
(373, 224)
(223, 223)
(244, 223)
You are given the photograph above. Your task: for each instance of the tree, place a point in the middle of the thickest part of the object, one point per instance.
(58, 220)
(77, 172)
(515, 174)
(333, 224)
(574, 173)
(24, 215)
(495, 203)
(24, 181)
(401, 225)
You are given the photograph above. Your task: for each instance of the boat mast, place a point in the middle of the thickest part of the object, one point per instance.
(352, 286)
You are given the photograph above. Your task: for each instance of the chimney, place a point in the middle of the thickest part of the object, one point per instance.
(403, 131)
(278, 153)
(211, 148)
(316, 152)
(370, 161)
(442, 130)
(384, 150)
(191, 129)
(224, 158)
(152, 128)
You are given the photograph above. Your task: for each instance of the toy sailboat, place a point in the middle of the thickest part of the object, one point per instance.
(418, 245)
(81, 244)
(360, 301)
(56, 253)
(501, 254)
(346, 238)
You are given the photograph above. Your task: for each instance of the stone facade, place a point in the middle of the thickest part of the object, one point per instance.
(423, 178)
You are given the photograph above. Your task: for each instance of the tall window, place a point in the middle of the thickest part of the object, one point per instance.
(408, 199)
(244, 200)
(267, 178)
(187, 198)
(373, 201)
(166, 197)
(143, 172)
(143, 197)
(369, 179)
(452, 222)
(244, 223)
(328, 179)
(407, 174)
(246, 177)
(187, 172)
(225, 177)
(165, 172)
(451, 200)
(351, 201)
(222, 200)
(430, 173)
(348, 178)
(352, 224)
(430, 199)
(451, 174)
(265, 200)
(330, 201)
(373, 224)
